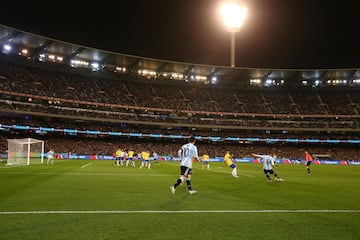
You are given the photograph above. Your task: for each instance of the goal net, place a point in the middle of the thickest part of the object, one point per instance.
(25, 151)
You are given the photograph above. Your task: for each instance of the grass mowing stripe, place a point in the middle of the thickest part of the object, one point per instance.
(218, 171)
(240, 174)
(188, 211)
(89, 174)
(12, 166)
(103, 201)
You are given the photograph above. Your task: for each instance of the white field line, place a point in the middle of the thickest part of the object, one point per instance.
(186, 211)
(86, 165)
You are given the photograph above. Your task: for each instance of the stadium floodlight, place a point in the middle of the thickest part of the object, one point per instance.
(6, 48)
(233, 16)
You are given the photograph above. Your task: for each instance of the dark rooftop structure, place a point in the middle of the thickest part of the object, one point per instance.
(14, 41)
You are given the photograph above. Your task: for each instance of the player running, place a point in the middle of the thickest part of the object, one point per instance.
(229, 162)
(187, 154)
(268, 166)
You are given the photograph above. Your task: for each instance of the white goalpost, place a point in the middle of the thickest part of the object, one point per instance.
(25, 151)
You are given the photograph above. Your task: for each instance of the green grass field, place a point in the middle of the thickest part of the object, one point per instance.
(95, 200)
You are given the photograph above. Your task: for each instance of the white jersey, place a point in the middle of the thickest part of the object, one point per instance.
(268, 161)
(186, 154)
(50, 154)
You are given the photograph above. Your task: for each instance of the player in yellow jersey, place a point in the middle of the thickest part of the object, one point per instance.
(145, 155)
(118, 156)
(205, 161)
(130, 158)
(229, 162)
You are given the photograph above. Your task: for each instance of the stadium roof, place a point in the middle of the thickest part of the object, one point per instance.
(37, 44)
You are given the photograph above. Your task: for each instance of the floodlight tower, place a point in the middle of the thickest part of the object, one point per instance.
(234, 16)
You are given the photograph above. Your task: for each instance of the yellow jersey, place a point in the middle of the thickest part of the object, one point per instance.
(227, 159)
(118, 153)
(131, 154)
(145, 155)
(205, 157)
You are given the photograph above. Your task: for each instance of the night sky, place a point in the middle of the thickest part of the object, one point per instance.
(276, 34)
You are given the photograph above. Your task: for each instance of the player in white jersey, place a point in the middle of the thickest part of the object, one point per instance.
(187, 153)
(50, 156)
(268, 166)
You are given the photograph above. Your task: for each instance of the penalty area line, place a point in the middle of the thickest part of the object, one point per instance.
(86, 165)
(185, 211)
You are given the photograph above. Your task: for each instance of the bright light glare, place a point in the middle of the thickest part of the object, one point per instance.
(7, 48)
(233, 16)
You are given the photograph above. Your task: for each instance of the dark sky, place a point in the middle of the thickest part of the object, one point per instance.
(276, 34)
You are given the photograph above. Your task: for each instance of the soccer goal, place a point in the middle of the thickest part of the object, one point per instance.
(25, 151)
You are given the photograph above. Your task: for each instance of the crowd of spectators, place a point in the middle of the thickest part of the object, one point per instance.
(126, 103)
(107, 146)
(127, 91)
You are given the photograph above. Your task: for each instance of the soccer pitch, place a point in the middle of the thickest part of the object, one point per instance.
(76, 199)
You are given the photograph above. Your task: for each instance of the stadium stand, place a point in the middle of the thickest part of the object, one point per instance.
(47, 94)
